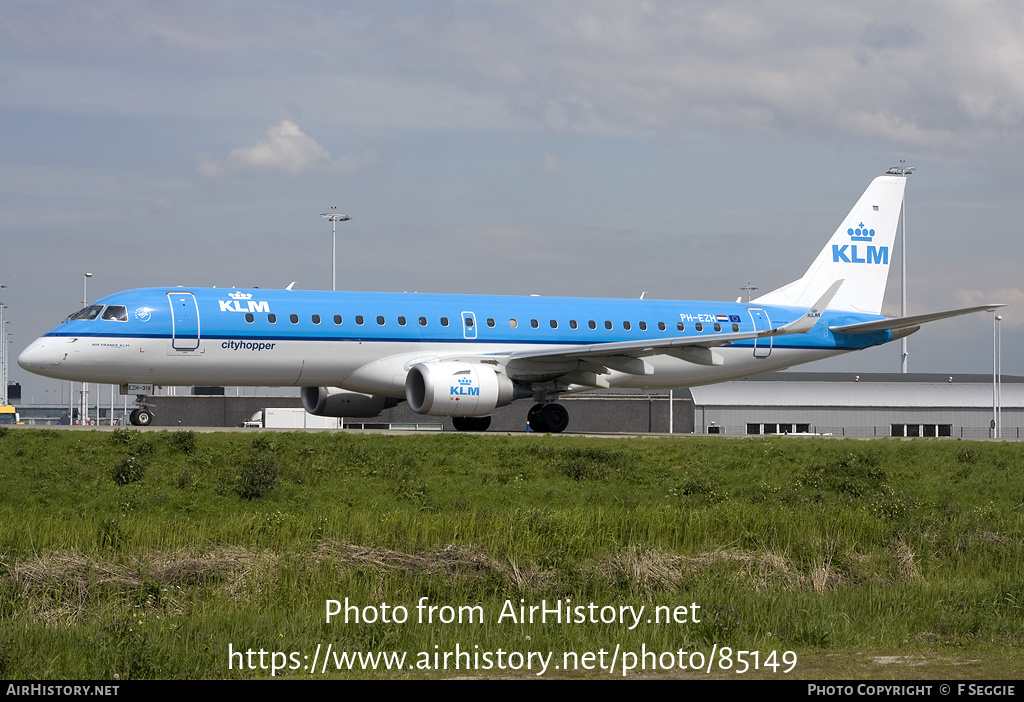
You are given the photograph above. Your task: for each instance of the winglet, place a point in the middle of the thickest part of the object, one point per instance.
(805, 323)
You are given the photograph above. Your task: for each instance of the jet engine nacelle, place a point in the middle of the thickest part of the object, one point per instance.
(335, 402)
(457, 389)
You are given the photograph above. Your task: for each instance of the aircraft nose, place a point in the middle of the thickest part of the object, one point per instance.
(36, 358)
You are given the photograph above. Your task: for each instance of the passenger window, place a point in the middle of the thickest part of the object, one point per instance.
(698, 326)
(444, 321)
(534, 323)
(592, 324)
(572, 324)
(735, 327)
(643, 326)
(680, 326)
(607, 325)
(625, 325)
(316, 319)
(337, 319)
(294, 318)
(490, 322)
(718, 327)
(401, 321)
(272, 318)
(661, 326)
(380, 320)
(249, 318)
(469, 322)
(513, 323)
(554, 324)
(359, 319)
(423, 321)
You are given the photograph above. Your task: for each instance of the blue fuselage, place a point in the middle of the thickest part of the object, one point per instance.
(367, 341)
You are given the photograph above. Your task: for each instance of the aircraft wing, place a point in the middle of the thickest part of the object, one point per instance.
(625, 355)
(904, 322)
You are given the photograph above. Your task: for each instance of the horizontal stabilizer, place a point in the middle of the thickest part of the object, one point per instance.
(904, 322)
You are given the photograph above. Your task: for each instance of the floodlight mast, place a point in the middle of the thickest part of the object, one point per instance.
(997, 374)
(903, 170)
(85, 386)
(334, 218)
(3, 353)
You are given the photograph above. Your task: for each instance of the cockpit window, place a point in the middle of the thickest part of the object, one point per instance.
(115, 313)
(89, 313)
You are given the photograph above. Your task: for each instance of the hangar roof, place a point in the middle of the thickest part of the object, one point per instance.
(781, 392)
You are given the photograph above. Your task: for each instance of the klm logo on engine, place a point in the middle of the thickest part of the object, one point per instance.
(235, 304)
(464, 388)
(848, 253)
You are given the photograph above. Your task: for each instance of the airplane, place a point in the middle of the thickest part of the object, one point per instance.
(353, 354)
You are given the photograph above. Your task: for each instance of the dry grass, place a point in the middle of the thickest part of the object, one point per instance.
(62, 584)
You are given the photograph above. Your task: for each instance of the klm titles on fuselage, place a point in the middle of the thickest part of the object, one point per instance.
(847, 253)
(250, 305)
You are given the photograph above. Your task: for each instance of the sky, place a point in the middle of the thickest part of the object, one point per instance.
(586, 148)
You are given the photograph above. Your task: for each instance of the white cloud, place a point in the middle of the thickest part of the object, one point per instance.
(553, 166)
(1012, 297)
(286, 150)
(162, 203)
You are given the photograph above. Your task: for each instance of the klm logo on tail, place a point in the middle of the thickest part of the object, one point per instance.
(847, 253)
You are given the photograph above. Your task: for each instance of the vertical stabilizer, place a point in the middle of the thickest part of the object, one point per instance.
(859, 252)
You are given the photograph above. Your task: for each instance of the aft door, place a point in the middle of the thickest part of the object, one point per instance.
(763, 345)
(184, 321)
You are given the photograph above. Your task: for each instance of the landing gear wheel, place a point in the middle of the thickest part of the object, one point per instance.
(555, 417)
(548, 418)
(141, 417)
(534, 421)
(471, 423)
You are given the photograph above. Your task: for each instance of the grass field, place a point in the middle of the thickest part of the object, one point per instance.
(185, 555)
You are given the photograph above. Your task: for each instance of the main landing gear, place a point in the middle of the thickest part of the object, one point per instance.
(551, 418)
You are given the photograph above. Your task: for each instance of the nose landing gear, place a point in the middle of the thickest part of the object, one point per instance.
(141, 417)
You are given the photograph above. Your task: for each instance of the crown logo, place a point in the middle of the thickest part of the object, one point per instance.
(465, 381)
(861, 233)
(240, 296)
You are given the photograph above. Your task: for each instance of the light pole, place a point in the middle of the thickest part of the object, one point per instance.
(334, 218)
(903, 170)
(997, 373)
(3, 353)
(749, 288)
(85, 387)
